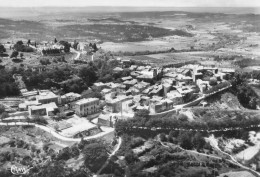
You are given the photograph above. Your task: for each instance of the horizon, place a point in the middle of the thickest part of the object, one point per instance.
(132, 3)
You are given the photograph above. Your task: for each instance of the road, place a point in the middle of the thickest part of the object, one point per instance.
(110, 155)
(213, 144)
(107, 130)
(74, 51)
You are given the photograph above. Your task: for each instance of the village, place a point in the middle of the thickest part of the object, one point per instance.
(156, 89)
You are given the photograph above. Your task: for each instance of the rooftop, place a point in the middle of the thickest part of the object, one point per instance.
(86, 100)
(46, 95)
(48, 107)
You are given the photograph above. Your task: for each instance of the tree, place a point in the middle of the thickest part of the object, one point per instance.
(2, 49)
(88, 75)
(184, 140)
(21, 55)
(183, 117)
(95, 155)
(14, 54)
(130, 157)
(29, 42)
(4, 115)
(75, 45)
(198, 141)
(163, 137)
(55, 41)
(94, 46)
(2, 108)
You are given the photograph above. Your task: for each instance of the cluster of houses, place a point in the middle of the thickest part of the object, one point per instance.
(152, 88)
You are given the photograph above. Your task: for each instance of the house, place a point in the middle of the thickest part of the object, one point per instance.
(114, 104)
(175, 97)
(117, 69)
(126, 78)
(29, 94)
(113, 86)
(135, 74)
(104, 120)
(47, 96)
(130, 83)
(185, 90)
(132, 91)
(43, 110)
(69, 97)
(133, 67)
(147, 75)
(100, 85)
(157, 90)
(24, 106)
(87, 106)
(106, 91)
(141, 86)
(158, 104)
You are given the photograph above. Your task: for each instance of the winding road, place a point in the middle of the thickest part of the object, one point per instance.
(107, 130)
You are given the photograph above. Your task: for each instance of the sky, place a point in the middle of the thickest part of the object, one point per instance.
(136, 3)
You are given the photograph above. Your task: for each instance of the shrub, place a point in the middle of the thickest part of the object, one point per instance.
(45, 61)
(136, 142)
(14, 54)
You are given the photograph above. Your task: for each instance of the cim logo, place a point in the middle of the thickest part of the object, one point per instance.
(19, 170)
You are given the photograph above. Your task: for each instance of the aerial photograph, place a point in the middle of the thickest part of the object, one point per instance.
(129, 88)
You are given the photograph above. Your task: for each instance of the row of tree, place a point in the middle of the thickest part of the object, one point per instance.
(142, 119)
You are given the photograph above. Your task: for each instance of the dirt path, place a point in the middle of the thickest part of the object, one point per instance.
(113, 153)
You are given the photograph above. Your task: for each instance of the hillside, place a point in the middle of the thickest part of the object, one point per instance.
(225, 100)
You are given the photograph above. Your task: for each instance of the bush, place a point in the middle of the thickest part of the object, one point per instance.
(40, 120)
(2, 49)
(45, 61)
(136, 142)
(183, 117)
(22, 48)
(14, 54)
(163, 137)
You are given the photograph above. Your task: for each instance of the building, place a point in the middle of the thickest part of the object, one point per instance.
(104, 120)
(157, 105)
(175, 96)
(115, 104)
(29, 94)
(43, 110)
(141, 86)
(46, 97)
(117, 70)
(100, 85)
(69, 97)
(24, 106)
(87, 107)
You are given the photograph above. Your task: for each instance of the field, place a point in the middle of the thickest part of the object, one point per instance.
(193, 36)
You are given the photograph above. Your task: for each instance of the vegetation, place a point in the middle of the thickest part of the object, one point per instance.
(217, 87)
(170, 123)
(2, 49)
(120, 33)
(245, 94)
(95, 156)
(8, 86)
(20, 47)
(14, 54)
(51, 51)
